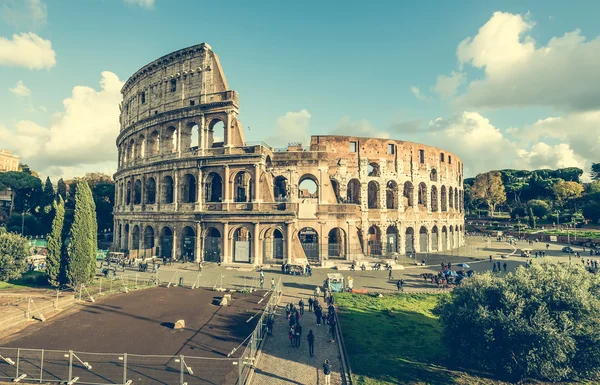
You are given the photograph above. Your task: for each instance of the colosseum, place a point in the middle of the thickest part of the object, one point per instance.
(189, 185)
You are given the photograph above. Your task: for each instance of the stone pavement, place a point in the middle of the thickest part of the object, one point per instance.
(280, 363)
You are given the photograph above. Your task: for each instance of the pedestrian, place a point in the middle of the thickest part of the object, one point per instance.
(262, 282)
(332, 327)
(310, 303)
(291, 336)
(311, 343)
(490, 258)
(390, 274)
(293, 319)
(327, 372)
(272, 283)
(270, 322)
(298, 332)
(318, 314)
(398, 285)
(505, 266)
(282, 268)
(301, 306)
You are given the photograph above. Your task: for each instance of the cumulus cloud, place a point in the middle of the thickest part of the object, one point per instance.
(82, 135)
(291, 127)
(519, 72)
(142, 3)
(446, 86)
(417, 92)
(31, 13)
(27, 50)
(20, 90)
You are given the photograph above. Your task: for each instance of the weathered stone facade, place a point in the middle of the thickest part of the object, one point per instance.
(188, 184)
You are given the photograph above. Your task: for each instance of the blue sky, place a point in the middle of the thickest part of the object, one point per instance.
(315, 68)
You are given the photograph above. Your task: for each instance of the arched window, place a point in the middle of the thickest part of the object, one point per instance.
(451, 197)
(423, 241)
(137, 192)
(214, 188)
(353, 192)
(150, 191)
(444, 198)
(434, 199)
(422, 194)
(216, 133)
(167, 189)
(153, 143)
(242, 187)
(433, 175)
(391, 195)
(170, 140)
(373, 192)
(189, 188)
(132, 152)
(141, 150)
(280, 189)
(189, 137)
(128, 196)
(408, 194)
(373, 169)
(308, 187)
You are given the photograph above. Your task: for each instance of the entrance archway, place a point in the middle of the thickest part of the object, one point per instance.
(135, 238)
(309, 239)
(451, 238)
(423, 239)
(166, 242)
(188, 244)
(242, 187)
(336, 243)
(374, 240)
(214, 188)
(410, 240)
(212, 245)
(353, 192)
(434, 238)
(392, 239)
(148, 237)
(242, 245)
(444, 238)
(273, 247)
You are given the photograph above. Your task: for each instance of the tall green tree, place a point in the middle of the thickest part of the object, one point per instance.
(54, 257)
(13, 255)
(489, 189)
(567, 190)
(539, 208)
(596, 171)
(49, 193)
(532, 221)
(61, 189)
(83, 238)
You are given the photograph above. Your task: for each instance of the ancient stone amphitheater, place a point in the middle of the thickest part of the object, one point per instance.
(189, 185)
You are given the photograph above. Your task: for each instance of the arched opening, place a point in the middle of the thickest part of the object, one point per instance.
(141, 150)
(137, 192)
(189, 137)
(373, 169)
(153, 143)
(216, 133)
(308, 188)
(166, 242)
(374, 242)
(451, 238)
(336, 243)
(455, 198)
(132, 152)
(423, 241)
(433, 175)
(353, 192)
(409, 246)
(188, 189)
(373, 193)
(434, 199)
(150, 191)
(126, 237)
(309, 239)
(268, 163)
(461, 201)
(444, 199)
(242, 247)
(148, 237)
(456, 237)
(444, 238)
(135, 238)
(451, 197)
(128, 196)
(273, 246)
(214, 188)
(422, 194)
(408, 194)
(434, 238)
(336, 189)
(188, 244)
(391, 195)
(242, 187)
(392, 239)
(281, 189)
(212, 245)
(170, 140)
(167, 190)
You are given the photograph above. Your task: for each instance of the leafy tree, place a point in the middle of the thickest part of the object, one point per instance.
(54, 256)
(27, 170)
(83, 238)
(26, 187)
(489, 189)
(48, 192)
(31, 225)
(567, 190)
(61, 188)
(596, 171)
(592, 188)
(539, 322)
(569, 174)
(13, 254)
(532, 222)
(539, 208)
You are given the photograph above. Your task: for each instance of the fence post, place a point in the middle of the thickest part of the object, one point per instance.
(240, 369)
(100, 292)
(42, 367)
(18, 357)
(181, 370)
(124, 368)
(70, 365)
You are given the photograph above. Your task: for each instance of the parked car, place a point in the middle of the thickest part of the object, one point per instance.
(568, 249)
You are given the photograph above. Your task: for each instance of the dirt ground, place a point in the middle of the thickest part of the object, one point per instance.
(140, 323)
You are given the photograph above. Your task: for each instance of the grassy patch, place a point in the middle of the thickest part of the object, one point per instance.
(397, 340)
(28, 280)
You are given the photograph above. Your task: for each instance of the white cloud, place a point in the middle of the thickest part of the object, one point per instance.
(417, 92)
(27, 50)
(142, 3)
(32, 13)
(361, 128)
(81, 137)
(291, 127)
(446, 86)
(562, 74)
(20, 90)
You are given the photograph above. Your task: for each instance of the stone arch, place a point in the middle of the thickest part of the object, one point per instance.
(189, 189)
(451, 237)
(213, 188)
(391, 195)
(423, 239)
(308, 186)
(154, 143)
(422, 194)
(132, 150)
(409, 237)
(434, 238)
(169, 140)
(374, 241)
(137, 192)
(242, 186)
(456, 236)
(135, 238)
(353, 191)
(281, 189)
(309, 239)
(373, 169)
(456, 198)
(451, 198)
(126, 237)
(434, 199)
(444, 238)
(373, 195)
(433, 175)
(128, 191)
(242, 244)
(188, 244)
(141, 146)
(336, 243)
(189, 136)
(408, 194)
(273, 245)
(335, 186)
(268, 162)
(166, 242)
(444, 199)
(392, 239)
(167, 189)
(212, 245)
(150, 188)
(148, 237)
(216, 133)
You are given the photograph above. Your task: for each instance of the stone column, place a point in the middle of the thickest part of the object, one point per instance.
(198, 243)
(227, 130)
(158, 180)
(289, 227)
(156, 240)
(143, 191)
(225, 237)
(130, 237)
(429, 241)
(257, 183)
(176, 189)
(199, 189)
(401, 240)
(226, 187)
(320, 186)
(201, 135)
(258, 259)
(175, 248)
(179, 139)
(439, 240)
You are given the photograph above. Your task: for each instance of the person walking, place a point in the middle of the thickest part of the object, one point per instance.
(270, 323)
(332, 328)
(310, 303)
(318, 314)
(272, 283)
(301, 306)
(327, 372)
(292, 335)
(262, 282)
(390, 274)
(311, 343)
(298, 332)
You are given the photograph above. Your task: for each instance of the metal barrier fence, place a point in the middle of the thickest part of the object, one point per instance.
(72, 367)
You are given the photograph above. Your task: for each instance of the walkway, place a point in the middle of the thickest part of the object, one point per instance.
(280, 363)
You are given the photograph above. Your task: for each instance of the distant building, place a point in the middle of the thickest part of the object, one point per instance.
(8, 161)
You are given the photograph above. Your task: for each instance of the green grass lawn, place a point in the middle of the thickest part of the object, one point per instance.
(397, 340)
(28, 280)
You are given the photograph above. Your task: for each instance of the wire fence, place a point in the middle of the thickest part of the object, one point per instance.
(62, 366)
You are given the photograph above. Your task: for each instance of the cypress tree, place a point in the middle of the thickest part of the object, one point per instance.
(83, 238)
(48, 192)
(55, 245)
(531, 219)
(61, 188)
